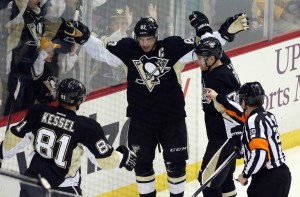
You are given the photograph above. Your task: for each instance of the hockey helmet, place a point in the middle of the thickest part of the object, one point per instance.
(146, 27)
(252, 93)
(71, 91)
(209, 46)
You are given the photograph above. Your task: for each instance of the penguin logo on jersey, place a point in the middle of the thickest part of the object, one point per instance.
(36, 32)
(150, 70)
(205, 99)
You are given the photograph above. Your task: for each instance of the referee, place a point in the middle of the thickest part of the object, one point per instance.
(261, 144)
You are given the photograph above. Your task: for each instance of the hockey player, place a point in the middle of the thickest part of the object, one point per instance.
(60, 137)
(217, 73)
(154, 94)
(25, 30)
(261, 144)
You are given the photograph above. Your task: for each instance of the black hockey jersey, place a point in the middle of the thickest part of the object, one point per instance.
(154, 93)
(59, 137)
(224, 80)
(26, 50)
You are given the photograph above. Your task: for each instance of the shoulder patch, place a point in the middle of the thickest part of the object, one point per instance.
(252, 131)
(189, 40)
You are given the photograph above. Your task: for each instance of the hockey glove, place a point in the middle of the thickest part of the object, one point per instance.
(234, 25)
(66, 32)
(129, 158)
(85, 32)
(200, 22)
(237, 132)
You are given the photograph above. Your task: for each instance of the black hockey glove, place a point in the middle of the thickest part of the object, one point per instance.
(84, 31)
(234, 25)
(129, 158)
(200, 22)
(237, 132)
(66, 31)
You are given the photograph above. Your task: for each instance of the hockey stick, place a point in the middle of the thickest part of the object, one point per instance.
(77, 11)
(216, 173)
(39, 181)
(12, 104)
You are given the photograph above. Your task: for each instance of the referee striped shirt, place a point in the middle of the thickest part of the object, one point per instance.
(261, 142)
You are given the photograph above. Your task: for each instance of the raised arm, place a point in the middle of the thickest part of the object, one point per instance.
(232, 109)
(94, 46)
(96, 49)
(227, 31)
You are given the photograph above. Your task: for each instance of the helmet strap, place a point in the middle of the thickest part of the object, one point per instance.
(206, 63)
(209, 67)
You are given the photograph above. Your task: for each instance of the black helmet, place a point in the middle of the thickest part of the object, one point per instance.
(146, 27)
(252, 93)
(209, 46)
(71, 91)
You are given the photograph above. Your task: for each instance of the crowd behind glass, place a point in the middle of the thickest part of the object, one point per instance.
(110, 20)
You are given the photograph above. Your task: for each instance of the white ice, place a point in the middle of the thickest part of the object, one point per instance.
(293, 161)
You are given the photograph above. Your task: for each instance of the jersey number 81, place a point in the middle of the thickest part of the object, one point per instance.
(45, 142)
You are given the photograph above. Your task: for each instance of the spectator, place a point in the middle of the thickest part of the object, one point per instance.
(69, 11)
(44, 81)
(114, 24)
(220, 9)
(294, 8)
(65, 57)
(4, 70)
(284, 20)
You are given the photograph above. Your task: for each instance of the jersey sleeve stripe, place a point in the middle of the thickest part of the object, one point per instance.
(236, 116)
(259, 143)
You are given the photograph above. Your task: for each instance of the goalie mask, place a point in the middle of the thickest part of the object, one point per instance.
(146, 27)
(252, 93)
(71, 91)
